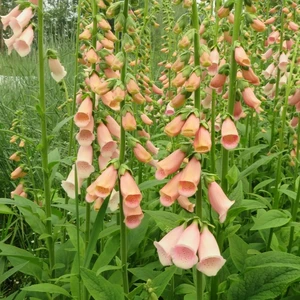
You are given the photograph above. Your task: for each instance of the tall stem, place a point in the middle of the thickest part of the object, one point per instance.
(281, 137)
(213, 100)
(232, 86)
(277, 78)
(123, 229)
(195, 21)
(44, 138)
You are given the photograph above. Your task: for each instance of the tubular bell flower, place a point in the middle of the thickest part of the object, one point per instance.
(141, 153)
(241, 57)
(84, 161)
(219, 201)
(133, 216)
(250, 99)
(69, 184)
(105, 141)
(17, 24)
(202, 142)
(169, 193)
(191, 126)
(23, 44)
(174, 127)
(190, 178)
(84, 114)
(230, 137)
(12, 14)
(105, 183)
(210, 259)
(184, 253)
(185, 203)
(130, 192)
(170, 164)
(166, 244)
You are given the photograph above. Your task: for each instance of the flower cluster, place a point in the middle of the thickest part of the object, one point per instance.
(186, 247)
(18, 20)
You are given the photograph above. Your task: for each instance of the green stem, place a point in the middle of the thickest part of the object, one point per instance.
(78, 232)
(71, 134)
(232, 86)
(123, 229)
(213, 100)
(195, 21)
(295, 203)
(281, 137)
(277, 79)
(44, 138)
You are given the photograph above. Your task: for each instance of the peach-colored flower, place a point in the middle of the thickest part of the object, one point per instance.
(69, 184)
(17, 173)
(191, 126)
(130, 191)
(250, 99)
(293, 26)
(217, 81)
(238, 111)
(128, 122)
(184, 252)
(174, 127)
(154, 150)
(15, 12)
(241, 57)
(210, 259)
(230, 137)
(167, 243)
(258, 25)
(133, 216)
(146, 119)
(170, 164)
(84, 114)
(188, 183)
(84, 161)
(105, 182)
(141, 153)
(23, 43)
(250, 76)
(202, 142)
(185, 203)
(17, 24)
(57, 70)
(85, 136)
(283, 62)
(219, 201)
(105, 141)
(169, 193)
(17, 191)
(15, 157)
(91, 56)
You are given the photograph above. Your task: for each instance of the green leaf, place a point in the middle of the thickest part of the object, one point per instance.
(164, 220)
(97, 226)
(235, 210)
(238, 193)
(100, 288)
(33, 220)
(5, 210)
(46, 288)
(232, 175)
(263, 184)
(262, 161)
(271, 219)
(238, 251)
(72, 232)
(7, 201)
(18, 256)
(246, 154)
(151, 183)
(290, 194)
(109, 231)
(109, 252)
(266, 276)
(137, 235)
(12, 271)
(161, 281)
(57, 128)
(184, 289)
